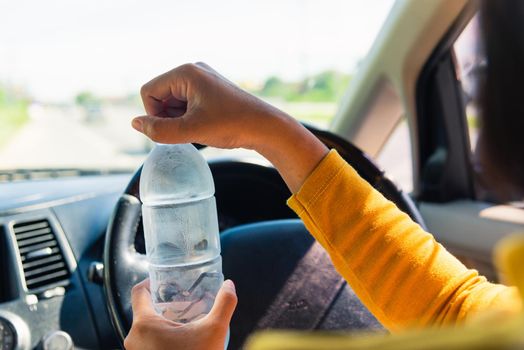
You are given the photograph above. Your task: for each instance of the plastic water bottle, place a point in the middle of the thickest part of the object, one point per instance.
(181, 232)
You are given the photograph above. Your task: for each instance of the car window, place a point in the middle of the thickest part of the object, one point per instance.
(395, 157)
(470, 64)
(70, 71)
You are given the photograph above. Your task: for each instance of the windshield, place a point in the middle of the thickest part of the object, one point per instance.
(70, 71)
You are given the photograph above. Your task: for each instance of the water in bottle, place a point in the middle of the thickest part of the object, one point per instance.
(181, 232)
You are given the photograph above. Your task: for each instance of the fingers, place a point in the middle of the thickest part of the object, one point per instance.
(225, 304)
(141, 300)
(163, 130)
(174, 103)
(173, 85)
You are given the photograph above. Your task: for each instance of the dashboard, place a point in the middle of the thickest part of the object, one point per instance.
(52, 240)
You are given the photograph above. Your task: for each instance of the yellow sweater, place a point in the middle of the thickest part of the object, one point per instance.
(404, 277)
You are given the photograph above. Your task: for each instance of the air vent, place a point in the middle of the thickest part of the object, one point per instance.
(42, 259)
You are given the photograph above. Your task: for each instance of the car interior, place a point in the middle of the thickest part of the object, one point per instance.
(72, 244)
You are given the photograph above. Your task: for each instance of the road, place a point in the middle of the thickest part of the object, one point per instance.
(59, 137)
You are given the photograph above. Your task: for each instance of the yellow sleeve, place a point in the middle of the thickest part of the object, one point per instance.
(404, 277)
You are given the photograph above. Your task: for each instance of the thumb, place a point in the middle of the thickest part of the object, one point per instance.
(141, 301)
(162, 129)
(225, 304)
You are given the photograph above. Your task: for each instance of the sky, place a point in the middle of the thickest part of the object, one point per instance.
(56, 48)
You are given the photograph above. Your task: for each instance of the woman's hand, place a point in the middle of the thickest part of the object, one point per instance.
(194, 104)
(152, 331)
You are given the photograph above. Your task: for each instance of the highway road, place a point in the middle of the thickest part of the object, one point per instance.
(59, 137)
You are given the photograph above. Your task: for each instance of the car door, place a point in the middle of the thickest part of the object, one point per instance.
(459, 208)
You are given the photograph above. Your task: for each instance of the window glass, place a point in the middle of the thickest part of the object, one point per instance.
(470, 63)
(70, 71)
(395, 157)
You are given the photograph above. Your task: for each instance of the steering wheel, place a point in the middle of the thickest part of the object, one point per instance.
(124, 266)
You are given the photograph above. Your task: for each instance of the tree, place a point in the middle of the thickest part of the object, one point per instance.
(86, 98)
(326, 86)
(273, 86)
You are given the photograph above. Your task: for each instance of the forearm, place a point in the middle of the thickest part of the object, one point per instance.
(291, 148)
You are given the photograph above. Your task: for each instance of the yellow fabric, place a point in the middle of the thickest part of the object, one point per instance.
(404, 277)
(509, 258)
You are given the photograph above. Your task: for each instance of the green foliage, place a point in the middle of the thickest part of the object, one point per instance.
(326, 86)
(273, 86)
(13, 114)
(86, 99)
(3, 97)
(473, 121)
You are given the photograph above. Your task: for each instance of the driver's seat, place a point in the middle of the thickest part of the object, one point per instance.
(260, 258)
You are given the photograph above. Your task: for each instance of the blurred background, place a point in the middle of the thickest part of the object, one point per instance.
(70, 71)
